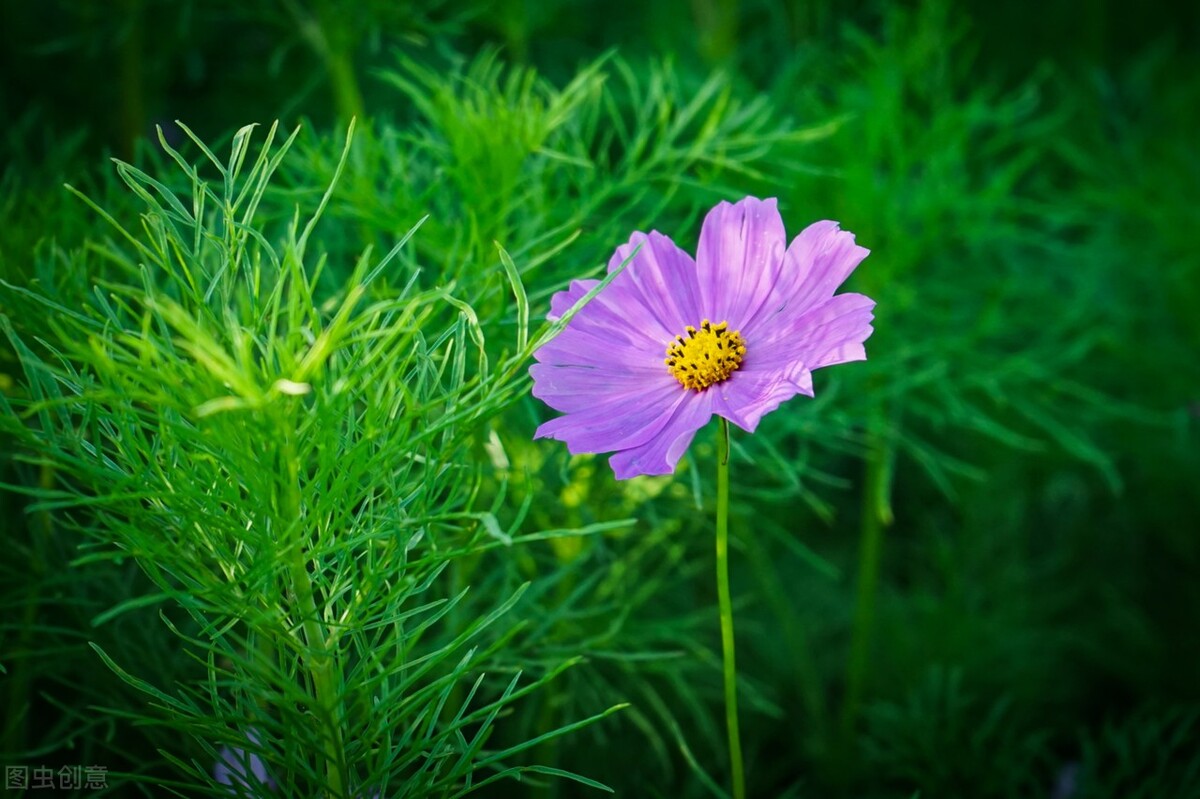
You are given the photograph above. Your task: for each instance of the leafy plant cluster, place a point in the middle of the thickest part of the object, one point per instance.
(269, 478)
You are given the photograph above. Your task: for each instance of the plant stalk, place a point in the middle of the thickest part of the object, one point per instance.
(22, 666)
(726, 605)
(317, 657)
(876, 516)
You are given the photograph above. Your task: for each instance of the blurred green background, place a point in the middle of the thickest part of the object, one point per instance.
(969, 568)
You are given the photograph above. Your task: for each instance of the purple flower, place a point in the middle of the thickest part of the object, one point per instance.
(240, 769)
(672, 341)
(1066, 784)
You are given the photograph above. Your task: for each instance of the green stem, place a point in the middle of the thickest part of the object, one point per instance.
(132, 79)
(330, 34)
(317, 656)
(347, 97)
(731, 715)
(876, 515)
(22, 666)
(808, 675)
(338, 43)
(716, 28)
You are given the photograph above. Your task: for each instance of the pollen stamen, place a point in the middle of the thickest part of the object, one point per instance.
(708, 355)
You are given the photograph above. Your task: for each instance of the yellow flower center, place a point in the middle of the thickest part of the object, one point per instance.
(705, 356)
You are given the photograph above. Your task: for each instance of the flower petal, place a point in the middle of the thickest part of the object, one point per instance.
(748, 396)
(832, 332)
(662, 278)
(647, 305)
(563, 301)
(739, 258)
(578, 388)
(660, 453)
(580, 346)
(817, 262)
(619, 422)
(238, 768)
(607, 317)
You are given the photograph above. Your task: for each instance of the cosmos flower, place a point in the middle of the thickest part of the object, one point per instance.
(672, 341)
(242, 770)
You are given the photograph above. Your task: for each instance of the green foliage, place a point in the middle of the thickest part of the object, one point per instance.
(949, 743)
(950, 180)
(1150, 753)
(266, 441)
(290, 469)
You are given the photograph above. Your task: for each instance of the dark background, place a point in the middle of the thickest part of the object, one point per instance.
(1035, 631)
